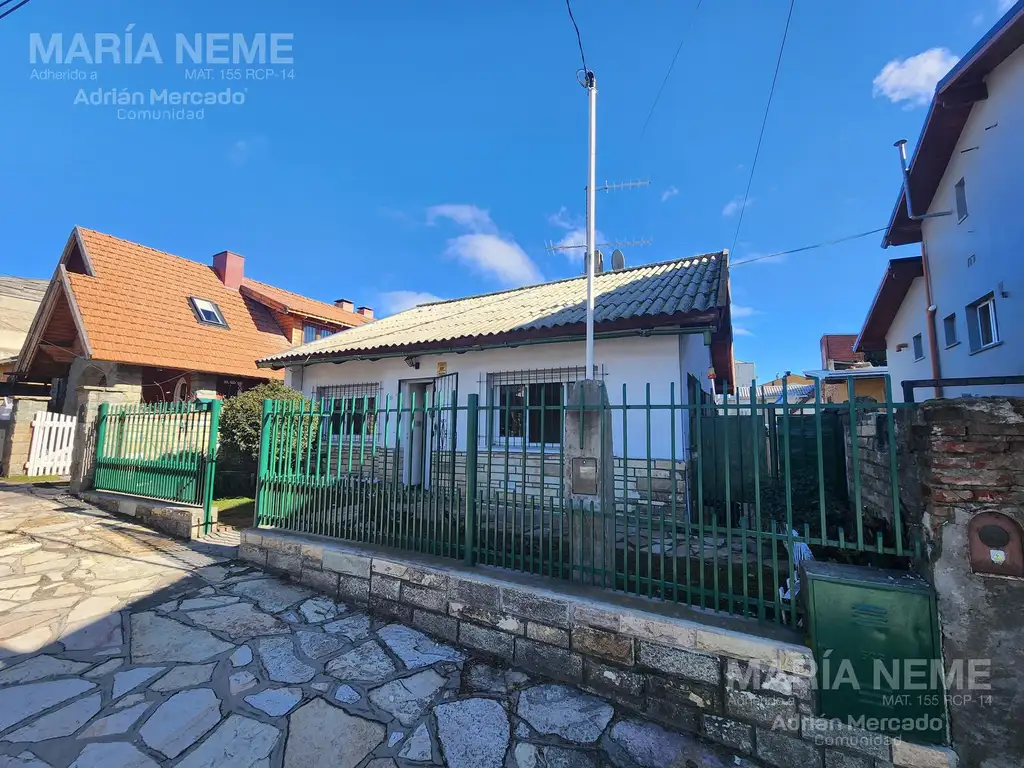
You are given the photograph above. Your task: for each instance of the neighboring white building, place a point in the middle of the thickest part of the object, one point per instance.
(968, 162)
(655, 325)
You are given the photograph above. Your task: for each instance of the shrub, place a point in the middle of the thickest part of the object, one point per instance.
(241, 419)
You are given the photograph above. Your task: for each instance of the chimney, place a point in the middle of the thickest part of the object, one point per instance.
(344, 304)
(365, 312)
(230, 268)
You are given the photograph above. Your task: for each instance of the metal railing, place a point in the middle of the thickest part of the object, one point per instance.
(164, 451)
(710, 504)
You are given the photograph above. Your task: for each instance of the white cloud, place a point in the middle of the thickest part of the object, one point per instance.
(978, 19)
(740, 331)
(1005, 5)
(484, 249)
(392, 302)
(574, 240)
(244, 150)
(913, 80)
(672, 191)
(733, 206)
(494, 256)
(469, 216)
(738, 310)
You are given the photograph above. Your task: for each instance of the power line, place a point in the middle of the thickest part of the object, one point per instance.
(764, 122)
(579, 40)
(8, 12)
(668, 74)
(824, 244)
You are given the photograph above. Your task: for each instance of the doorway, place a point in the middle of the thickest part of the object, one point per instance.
(417, 431)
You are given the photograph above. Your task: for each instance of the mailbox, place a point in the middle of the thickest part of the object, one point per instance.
(995, 545)
(584, 476)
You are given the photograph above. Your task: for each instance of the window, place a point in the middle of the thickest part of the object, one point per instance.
(949, 327)
(961, 200)
(353, 409)
(527, 405)
(918, 347)
(312, 332)
(207, 312)
(982, 327)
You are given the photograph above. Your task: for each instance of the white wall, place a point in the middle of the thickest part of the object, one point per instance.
(662, 361)
(909, 320)
(993, 232)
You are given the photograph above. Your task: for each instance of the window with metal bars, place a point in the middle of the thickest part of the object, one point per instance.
(527, 406)
(353, 408)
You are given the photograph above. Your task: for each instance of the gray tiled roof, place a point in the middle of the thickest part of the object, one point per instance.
(26, 288)
(659, 293)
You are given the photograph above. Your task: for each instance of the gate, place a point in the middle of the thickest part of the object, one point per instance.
(53, 438)
(162, 451)
(443, 432)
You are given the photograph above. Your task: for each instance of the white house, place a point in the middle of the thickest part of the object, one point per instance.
(957, 309)
(657, 325)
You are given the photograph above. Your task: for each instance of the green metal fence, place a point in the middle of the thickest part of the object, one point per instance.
(813, 478)
(164, 451)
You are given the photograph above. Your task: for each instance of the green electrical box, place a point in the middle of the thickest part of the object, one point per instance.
(875, 638)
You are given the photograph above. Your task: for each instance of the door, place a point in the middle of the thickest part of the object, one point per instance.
(417, 467)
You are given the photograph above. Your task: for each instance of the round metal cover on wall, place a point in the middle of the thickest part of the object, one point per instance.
(995, 544)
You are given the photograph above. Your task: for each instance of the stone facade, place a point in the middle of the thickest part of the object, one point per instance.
(745, 691)
(88, 401)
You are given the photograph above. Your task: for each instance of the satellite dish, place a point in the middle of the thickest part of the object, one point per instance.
(618, 260)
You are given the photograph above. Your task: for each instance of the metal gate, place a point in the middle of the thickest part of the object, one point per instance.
(443, 430)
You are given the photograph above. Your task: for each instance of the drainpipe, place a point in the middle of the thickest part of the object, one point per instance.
(933, 343)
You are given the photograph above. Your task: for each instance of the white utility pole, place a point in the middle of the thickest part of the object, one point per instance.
(591, 85)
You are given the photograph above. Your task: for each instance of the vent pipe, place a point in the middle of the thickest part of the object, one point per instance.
(901, 147)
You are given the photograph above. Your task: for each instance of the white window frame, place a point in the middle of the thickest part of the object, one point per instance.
(524, 378)
(974, 318)
(916, 343)
(201, 306)
(960, 193)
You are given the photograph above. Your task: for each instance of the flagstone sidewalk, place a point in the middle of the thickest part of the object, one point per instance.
(122, 647)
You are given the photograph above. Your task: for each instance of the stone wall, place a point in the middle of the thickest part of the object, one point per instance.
(874, 442)
(970, 455)
(747, 691)
(178, 521)
(18, 435)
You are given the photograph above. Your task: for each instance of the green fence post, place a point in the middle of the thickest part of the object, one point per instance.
(211, 465)
(101, 439)
(472, 430)
(264, 463)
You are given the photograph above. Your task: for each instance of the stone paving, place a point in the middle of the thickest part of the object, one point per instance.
(122, 647)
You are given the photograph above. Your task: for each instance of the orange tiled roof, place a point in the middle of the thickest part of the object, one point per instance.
(300, 305)
(135, 310)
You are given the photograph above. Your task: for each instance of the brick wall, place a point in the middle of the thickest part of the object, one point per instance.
(970, 457)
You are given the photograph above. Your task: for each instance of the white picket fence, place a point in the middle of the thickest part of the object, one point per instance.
(53, 438)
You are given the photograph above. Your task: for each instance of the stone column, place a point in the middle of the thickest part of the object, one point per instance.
(970, 457)
(87, 406)
(588, 435)
(19, 433)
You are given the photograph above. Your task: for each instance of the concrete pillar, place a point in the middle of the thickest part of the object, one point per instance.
(19, 433)
(87, 406)
(588, 437)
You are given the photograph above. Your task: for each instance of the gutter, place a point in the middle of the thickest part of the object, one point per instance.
(704, 330)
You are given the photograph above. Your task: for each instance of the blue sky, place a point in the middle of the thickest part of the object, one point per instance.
(435, 148)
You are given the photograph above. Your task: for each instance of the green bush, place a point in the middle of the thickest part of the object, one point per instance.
(241, 418)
